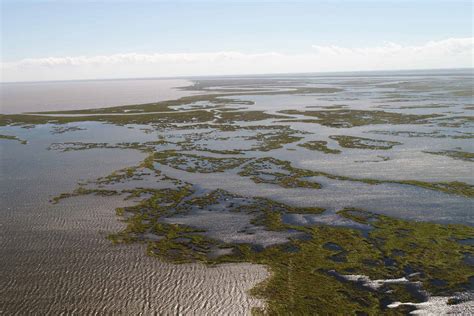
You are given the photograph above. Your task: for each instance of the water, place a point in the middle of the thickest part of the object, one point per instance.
(55, 257)
(74, 95)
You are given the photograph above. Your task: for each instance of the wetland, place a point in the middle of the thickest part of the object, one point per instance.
(265, 195)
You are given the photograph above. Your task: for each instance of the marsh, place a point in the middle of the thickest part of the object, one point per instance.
(231, 189)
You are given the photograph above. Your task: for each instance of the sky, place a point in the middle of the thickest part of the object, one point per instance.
(64, 40)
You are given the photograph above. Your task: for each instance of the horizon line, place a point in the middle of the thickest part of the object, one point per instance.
(245, 75)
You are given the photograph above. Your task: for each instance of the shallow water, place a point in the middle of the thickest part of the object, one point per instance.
(59, 254)
(76, 95)
(397, 200)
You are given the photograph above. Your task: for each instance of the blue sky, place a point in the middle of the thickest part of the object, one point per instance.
(42, 29)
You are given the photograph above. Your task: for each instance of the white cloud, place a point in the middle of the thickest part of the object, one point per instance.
(439, 49)
(449, 53)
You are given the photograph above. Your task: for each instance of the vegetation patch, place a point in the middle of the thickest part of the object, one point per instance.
(316, 268)
(453, 187)
(118, 119)
(306, 271)
(346, 118)
(10, 137)
(148, 222)
(363, 143)
(275, 139)
(58, 129)
(245, 116)
(432, 134)
(456, 121)
(305, 90)
(163, 106)
(75, 146)
(302, 282)
(195, 163)
(455, 154)
(253, 138)
(329, 107)
(408, 107)
(380, 159)
(262, 170)
(305, 277)
(279, 172)
(319, 145)
(84, 191)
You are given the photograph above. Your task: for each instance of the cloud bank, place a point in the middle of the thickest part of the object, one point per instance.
(448, 53)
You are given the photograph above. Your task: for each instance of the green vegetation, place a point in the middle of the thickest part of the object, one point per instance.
(258, 87)
(262, 170)
(279, 172)
(328, 107)
(309, 264)
(304, 90)
(363, 143)
(141, 117)
(453, 187)
(262, 138)
(408, 107)
(131, 173)
(301, 282)
(9, 137)
(274, 140)
(57, 129)
(319, 145)
(456, 121)
(306, 273)
(464, 93)
(74, 146)
(180, 243)
(119, 119)
(346, 118)
(216, 100)
(163, 106)
(83, 191)
(195, 163)
(433, 134)
(246, 116)
(455, 154)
